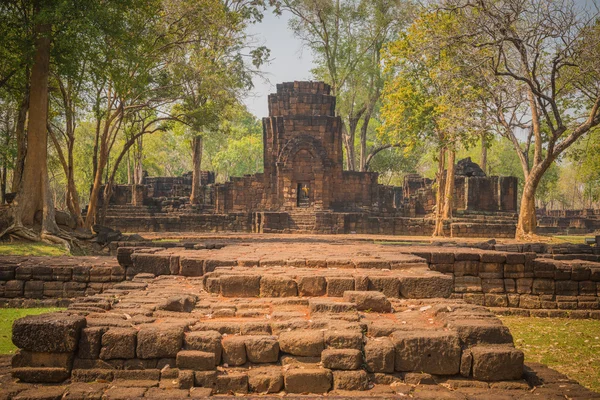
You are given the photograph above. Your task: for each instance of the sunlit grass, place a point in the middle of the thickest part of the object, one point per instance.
(31, 249)
(575, 239)
(7, 316)
(571, 346)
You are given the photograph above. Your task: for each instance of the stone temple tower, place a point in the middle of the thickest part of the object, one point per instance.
(303, 150)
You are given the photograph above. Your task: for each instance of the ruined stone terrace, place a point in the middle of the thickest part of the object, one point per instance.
(296, 317)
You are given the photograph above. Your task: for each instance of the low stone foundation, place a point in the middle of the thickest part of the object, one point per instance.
(57, 277)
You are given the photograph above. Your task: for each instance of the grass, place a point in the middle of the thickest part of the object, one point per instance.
(575, 239)
(571, 346)
(7, 316)
(31, 249)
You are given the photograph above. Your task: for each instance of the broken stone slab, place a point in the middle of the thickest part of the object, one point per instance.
(368, 301)
(51, 333)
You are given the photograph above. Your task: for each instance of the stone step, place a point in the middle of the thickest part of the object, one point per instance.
(296, 345)
(281, 282)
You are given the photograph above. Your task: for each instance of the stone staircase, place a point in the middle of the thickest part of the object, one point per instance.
(481, 224)
(302, 221)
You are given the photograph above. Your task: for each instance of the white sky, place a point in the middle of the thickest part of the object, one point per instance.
(289, 62)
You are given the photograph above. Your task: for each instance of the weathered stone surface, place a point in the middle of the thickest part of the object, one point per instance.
(369, 300)
(497, 363)
(24, 358)
(41, 374)
(209, 341)
(312, 286)
(350, 380)
(78, 391)
(235, 382)
(277, 286)
(474, 331)
(90, 342)
(118, 343)
(151, 263)
(433, 352)
(46, 393)
(51, 333)
(205, 379)
(346, 359)
(262, 349)
(314, 380)
(343, 339)
(196, 360)
(336, 286)
(379, 355)
(240, 285)
(160, 341)
(234, 350)
(179, 304)
(426, 287)
(388, 285)
(265, 380)
(308, 343)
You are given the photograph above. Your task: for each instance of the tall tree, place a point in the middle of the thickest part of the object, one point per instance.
(428, 99)
(548, 51)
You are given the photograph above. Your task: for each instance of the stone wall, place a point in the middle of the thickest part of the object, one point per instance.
(520, 280)
(64, 277)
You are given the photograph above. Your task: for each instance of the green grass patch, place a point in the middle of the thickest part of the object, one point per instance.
(31, 249)
(571, 346)
(7, 316)
(575, 239)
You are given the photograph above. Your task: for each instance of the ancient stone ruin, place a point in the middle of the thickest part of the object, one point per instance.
(304, 188)
(251, 316)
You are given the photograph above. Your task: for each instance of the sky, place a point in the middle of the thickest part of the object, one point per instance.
(289, 61)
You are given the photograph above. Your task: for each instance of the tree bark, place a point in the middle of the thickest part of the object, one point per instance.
(483, 160)
(196, 172)
(439, 198)
(449, 190)
(34, 194)
(527, 223)
(21, 139)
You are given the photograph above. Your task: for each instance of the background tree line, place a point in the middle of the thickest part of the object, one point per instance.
(94, 93)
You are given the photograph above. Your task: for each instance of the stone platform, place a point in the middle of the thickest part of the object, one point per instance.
(271, 317)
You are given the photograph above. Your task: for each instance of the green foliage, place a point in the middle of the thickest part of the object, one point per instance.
(236, 149)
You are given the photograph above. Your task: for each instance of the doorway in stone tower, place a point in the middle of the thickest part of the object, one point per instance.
(303, 194)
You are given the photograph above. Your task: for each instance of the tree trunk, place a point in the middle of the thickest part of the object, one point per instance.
(138, 171)
(90, 218)
(439, 198)
(196, 172)
(527, 223)
(527, 219)
(483, 160)
(34, 194)
(363, 140)
(348, 137)
(449, 190)
(21, 138)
